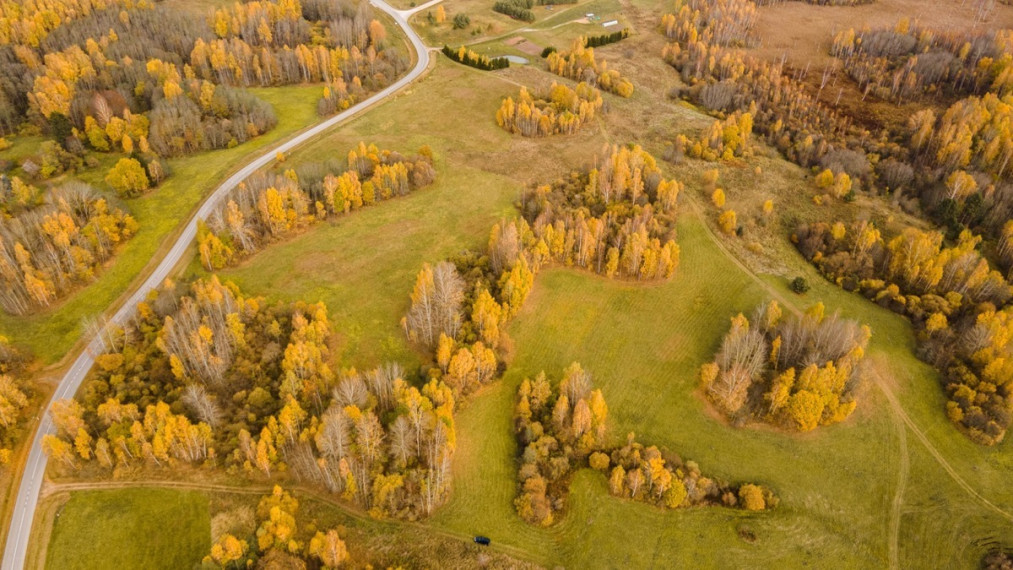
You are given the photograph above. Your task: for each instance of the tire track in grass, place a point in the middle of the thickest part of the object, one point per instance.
(900, 416)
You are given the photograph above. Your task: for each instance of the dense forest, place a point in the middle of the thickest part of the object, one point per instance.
(562, 429)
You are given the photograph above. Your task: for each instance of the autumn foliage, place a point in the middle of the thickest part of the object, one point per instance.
(579, 64)
(204, 376)
(266, 207)
(795, 372)
(563, 428)
(47, 250)
(561, 111)
(955, 299)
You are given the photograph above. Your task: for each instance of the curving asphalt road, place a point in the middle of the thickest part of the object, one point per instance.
(31, 481)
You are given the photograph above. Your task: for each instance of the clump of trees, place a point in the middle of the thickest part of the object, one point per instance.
(47, 250)
(724, 139)
(516, 9)
(206, 376)
(15, 393)
(798, 372)
(956, 301)
(560, 111)
(472, 59)
(579, 64)
(107, 74)
(266, 207)
(280, 540)
(18, 196)
(616, 219)
(563, 429)
(605, 39)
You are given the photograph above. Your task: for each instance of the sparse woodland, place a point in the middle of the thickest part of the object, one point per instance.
(266, 207)
(794, 372)
(562, 429)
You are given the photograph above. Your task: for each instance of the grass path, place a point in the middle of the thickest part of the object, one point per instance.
(900, 416)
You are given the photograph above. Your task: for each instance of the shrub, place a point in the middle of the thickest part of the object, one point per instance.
(128, 178)
(799, 285)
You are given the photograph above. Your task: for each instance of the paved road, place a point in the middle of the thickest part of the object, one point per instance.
(31, 481)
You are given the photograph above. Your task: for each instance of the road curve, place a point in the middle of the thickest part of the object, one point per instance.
(16, 547)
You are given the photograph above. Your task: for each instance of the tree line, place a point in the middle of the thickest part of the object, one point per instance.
(268, 206)
(605, 39)
(15, 395)
(516, 9)
(472, 59)
(563, 429)
(560, 111)
(797, 372)
(956, 301)
(579, 64)
(48, 250)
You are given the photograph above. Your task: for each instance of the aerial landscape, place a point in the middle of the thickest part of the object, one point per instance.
(506, 284)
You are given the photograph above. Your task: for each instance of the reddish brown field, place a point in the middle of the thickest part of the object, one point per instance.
(803, 32)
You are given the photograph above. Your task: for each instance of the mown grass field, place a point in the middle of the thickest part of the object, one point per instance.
(130, 528)
(49, 334)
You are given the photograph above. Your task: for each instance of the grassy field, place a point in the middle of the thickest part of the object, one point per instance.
(49, 334)
(872, 492)
(363, 265)
(130, 528)
(487, 24)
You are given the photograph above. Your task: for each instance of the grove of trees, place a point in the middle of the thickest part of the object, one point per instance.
(267, 206)
(206, 376)
(564, 428)
(579, 64)
(48, 249)
(280, 540)
(960, 305)
(560, 111)
(795, 372)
